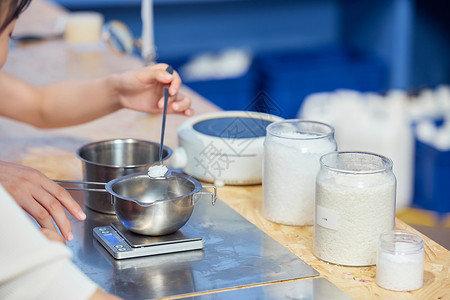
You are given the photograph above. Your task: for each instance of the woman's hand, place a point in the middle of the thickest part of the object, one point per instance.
(143, 90)
(41, 197)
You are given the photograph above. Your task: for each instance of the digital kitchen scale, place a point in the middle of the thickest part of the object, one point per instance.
(122, 243)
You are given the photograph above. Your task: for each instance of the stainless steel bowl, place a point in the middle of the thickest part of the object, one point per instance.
(155, 206)
(106, 160)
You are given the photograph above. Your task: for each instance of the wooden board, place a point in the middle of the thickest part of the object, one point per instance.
(356, 281)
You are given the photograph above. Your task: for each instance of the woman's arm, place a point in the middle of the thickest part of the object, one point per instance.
(78, 101)
(70, 103)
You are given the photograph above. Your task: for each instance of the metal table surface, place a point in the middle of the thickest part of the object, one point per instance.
(317, 288)
(236, 254)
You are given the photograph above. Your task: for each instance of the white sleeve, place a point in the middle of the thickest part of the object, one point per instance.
(31, 266)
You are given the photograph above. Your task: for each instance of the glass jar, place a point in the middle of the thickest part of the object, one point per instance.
(355, 203)
(400, 261)
(292, 149)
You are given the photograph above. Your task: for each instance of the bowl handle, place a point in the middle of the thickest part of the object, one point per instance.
(179, 159)
(212, 194)
(83, 183)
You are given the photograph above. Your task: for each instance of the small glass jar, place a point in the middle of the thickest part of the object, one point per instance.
(292, 149)
(400, 261)
(355, 203)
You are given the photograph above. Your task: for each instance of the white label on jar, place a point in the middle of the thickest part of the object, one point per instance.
(326, 217)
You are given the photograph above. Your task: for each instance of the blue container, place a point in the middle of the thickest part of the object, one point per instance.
(229, 93)
(288, 78)
(432, 178)
(235, 93)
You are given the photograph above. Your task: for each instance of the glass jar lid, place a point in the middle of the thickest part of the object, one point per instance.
(300, 129)
(356, 162)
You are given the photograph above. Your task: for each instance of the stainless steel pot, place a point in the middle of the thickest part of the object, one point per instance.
(107, 160)
(156, 207)
(152, 206)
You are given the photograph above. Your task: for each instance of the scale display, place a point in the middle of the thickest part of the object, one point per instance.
(122, 243)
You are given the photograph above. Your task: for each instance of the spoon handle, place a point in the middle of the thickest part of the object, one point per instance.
(163, 128)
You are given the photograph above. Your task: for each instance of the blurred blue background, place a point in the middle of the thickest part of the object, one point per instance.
(298, 46)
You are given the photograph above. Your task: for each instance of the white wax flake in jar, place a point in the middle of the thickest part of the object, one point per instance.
(355, 203)
(157, 171)
(292, 150)
(400, 261)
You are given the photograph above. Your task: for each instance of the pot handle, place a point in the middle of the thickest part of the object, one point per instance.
(83, 183)
(212, 194)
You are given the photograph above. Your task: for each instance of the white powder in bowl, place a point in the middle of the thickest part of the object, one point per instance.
(352, 211)
(157, 171)
(290, 167)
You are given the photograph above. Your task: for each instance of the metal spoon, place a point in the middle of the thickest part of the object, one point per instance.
(160, 165)
(166, 99)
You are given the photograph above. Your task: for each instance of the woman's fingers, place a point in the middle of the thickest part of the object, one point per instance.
(181, 103)
(163, 76)
(175, 84)
(54, 209)
(53, 198)
(154, 73)
(23, 192)
(38, 212)
(178, 104)
(41, 197)
(63, 196)
(174, 80)
(189, 112)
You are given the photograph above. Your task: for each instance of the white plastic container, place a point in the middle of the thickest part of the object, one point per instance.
(292, 150)
(400, 261)
(355, 203)
(229, 152)
(372, 123)
(83, 28)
